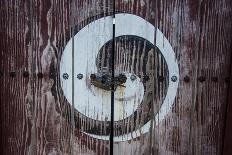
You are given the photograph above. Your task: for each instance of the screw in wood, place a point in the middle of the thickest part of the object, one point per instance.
(174, 78)
(65, 76)
(79, 76)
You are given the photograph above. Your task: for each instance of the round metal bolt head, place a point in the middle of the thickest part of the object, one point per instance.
(25, 74)
(187, 79)
(79, 76)
(174, 78)
(146, 78)
(65, 76)
(133, 77)
(161, 78)
(93, 76)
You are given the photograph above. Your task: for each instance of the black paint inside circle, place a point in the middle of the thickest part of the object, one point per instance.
(138, 56)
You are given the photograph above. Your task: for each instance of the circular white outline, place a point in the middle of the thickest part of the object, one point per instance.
(98, 33)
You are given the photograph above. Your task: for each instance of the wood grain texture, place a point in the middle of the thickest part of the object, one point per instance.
(35, 115)
(227, 146)
(197, 32)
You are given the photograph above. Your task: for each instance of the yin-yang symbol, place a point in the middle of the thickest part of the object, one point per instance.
(146, 60)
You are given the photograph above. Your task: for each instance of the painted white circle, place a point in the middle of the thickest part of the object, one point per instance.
(96, 103)
(89, 100)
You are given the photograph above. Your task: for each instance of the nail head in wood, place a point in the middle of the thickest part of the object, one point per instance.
(146, 78)
(174, 78)
(65, 76)
(133, 77)
(201, 79)
(79, 76)
(25, 74)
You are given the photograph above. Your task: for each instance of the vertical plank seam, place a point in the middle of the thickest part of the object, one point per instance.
(72, 7)
(112, 85)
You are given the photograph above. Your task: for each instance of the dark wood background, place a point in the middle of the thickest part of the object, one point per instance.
(35, 116)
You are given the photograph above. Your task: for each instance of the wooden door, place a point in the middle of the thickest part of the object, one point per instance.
(172, 66)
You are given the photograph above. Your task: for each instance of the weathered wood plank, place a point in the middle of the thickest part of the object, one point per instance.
(227, 147)
(197, 32)
(14, 124)
(35, 114)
